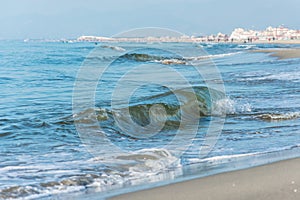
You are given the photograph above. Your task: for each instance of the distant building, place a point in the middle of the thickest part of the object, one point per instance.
(93, 39)
(278, 33)
(241, 34)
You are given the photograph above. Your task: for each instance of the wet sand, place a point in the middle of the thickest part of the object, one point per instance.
(282, 53)
(274, 181)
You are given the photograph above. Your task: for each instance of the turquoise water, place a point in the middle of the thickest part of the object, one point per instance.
(51, 147)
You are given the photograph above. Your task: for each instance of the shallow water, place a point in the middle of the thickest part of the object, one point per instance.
(42, 153)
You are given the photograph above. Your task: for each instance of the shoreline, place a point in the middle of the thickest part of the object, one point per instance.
(262, 42)
(275, 42)
(279, 180)
(281, 53)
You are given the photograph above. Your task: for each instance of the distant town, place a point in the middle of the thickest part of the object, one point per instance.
(270, 34)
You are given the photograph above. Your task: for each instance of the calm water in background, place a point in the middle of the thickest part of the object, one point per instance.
(42, 154)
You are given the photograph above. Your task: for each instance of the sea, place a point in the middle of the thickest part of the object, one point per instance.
(91, 120)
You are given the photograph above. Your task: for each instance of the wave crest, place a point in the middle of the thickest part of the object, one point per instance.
(143, 57)
(278, 116)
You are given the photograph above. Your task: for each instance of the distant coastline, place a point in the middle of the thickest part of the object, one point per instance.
(281, 35)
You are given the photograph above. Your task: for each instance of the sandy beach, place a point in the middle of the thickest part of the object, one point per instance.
(282, 53)
(276, 181)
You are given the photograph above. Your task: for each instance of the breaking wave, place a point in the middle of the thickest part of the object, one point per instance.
(209, 102)
(147, 165)
(143, 57)
(116, 48)
(279, 116)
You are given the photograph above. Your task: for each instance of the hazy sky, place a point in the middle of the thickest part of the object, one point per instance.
(72, 18)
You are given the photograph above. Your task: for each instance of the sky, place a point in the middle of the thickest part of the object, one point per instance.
(56, 19)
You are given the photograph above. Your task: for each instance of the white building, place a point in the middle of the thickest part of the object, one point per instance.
(242, 34)
(278, 33)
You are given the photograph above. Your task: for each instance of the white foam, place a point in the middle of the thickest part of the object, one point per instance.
(139, 167)
(51, 191)
(145, 162)
(284, 76)
(161, 159)
(116, 48)
(212, 56)
(246, 46)
(220, 159)
(226, 158)
(228, 106)
(278, 116)
(172, 62)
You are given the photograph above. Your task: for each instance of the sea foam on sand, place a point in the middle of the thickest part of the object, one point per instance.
(275, 181)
